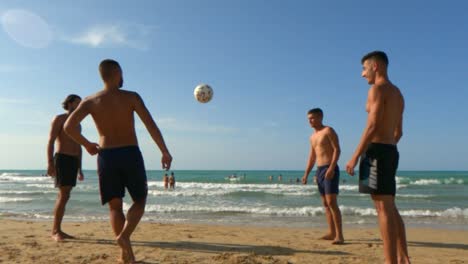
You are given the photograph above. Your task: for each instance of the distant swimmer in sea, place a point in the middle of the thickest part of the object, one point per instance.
(172, 181)
(120, 162)
(378, 154)
(325, 151)
(166, 181)
(65, 165)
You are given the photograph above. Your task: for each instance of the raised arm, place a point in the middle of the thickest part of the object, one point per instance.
(56, 126)
(72, 127)
(153, 130)
(310, 163)
(375, 116)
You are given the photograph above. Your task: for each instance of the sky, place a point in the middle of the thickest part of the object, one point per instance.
(268, 63)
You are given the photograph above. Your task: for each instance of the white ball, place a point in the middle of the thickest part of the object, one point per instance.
(203, 93)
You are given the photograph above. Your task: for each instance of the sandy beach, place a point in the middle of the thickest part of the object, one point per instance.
(29, 242)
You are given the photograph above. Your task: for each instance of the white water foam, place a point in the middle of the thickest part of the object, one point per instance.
(14, 199)
(22, 178)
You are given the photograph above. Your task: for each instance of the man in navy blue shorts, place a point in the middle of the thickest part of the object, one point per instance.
(120, 163)
(325, 150)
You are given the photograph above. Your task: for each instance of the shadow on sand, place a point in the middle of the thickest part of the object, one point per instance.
(215, 247)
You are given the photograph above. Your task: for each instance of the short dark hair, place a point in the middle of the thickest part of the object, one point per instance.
(376, 55)
(315, 111)
(107, 67)
(70, 99)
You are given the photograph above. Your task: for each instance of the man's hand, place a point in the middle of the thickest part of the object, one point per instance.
(329, 174)
(51, 170)
(304, 180)
(92, 148)
(166, 161)
(350, 166)
(80, 176)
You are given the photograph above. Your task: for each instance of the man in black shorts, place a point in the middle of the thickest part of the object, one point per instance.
(120, 164)
(379, 154)
(65, 165)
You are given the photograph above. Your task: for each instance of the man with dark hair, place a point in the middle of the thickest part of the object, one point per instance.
(379, 156)
(120, 163)
(65, 165)
(325, 150)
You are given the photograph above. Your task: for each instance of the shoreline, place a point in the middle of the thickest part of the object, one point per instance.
(29, 242)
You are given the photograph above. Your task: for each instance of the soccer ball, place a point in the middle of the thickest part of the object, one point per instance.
(203, 93)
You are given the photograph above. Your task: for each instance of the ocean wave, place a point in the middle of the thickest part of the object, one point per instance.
(36, 185)
(298, 211)
(14, 199)
(25, 192)
(408, 181)
(22, 178)
(218, 189)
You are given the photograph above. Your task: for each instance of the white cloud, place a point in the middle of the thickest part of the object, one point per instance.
(131, 35)
(5, 100)
(176, 125)
(9, 68)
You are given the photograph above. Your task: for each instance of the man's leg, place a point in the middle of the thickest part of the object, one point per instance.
(331, 226)
(134, 215)
(59, 210)
(331, 200)
(402, 247)
(385, 206)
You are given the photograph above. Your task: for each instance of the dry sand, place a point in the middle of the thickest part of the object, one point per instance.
(30, 242)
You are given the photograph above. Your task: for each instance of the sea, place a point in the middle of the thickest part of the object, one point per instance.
(434, 199)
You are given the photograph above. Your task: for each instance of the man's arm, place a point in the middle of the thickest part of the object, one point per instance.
(399, 128)
(310, 163)
(153, 130)
(375, 117)
(72, 127)
(53, 134)
(80, 162)
(333, 138)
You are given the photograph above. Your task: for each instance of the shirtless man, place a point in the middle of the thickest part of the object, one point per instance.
(166, 181)
(172, 181)
(120, 163)
(379, 155)
(65, 165)
(325, 150)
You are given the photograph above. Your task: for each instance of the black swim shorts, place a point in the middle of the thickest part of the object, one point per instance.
(377, 169)
(66, 168)
(120, 168)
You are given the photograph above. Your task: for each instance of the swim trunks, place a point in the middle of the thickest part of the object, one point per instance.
(66, 168)
(120, 168)
(327, 186)
(377, 169)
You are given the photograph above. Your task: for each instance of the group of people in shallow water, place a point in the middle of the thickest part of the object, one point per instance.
(121, 166)
(169, 181)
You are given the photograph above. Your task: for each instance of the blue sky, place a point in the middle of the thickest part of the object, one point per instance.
(267, 61)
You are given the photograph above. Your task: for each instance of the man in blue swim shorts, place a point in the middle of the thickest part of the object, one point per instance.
(325, 150)
(120, 164)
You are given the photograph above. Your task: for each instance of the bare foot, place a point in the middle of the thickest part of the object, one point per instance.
(57, 237)
(338, 242)
(127, 252)
(328, 237)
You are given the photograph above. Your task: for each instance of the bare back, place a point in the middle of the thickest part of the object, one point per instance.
(63, 143)
(113, 114)
(391, 106)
